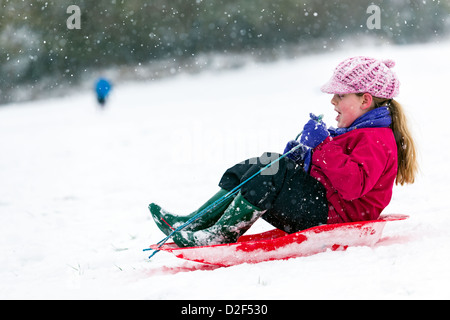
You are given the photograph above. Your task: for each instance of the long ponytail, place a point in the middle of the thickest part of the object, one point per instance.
(406, 149)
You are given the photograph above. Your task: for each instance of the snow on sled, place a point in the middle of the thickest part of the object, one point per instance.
(279, 245)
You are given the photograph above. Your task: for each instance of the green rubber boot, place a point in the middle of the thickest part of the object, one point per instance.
(167, 222)
(235, 221)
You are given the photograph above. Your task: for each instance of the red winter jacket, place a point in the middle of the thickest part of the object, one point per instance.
(358, 170)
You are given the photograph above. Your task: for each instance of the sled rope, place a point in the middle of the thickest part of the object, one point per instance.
(231, 193)
(216, 203)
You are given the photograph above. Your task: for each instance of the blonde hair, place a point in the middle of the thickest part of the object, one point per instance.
(406, 149)
(407, 165)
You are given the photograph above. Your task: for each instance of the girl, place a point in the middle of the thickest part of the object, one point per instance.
(335, 175)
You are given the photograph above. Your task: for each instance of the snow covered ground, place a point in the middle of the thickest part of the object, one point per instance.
(75, 183)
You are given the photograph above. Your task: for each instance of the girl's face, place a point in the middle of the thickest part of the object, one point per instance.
(350, 107)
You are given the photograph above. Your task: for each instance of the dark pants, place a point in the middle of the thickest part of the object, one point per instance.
(293, 199)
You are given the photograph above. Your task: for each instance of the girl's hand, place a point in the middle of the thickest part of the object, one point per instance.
(314, 132)
(296, 155)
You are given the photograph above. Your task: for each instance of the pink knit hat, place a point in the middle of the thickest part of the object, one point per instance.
(363, 74)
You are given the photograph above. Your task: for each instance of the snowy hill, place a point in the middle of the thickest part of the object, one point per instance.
(76, 182)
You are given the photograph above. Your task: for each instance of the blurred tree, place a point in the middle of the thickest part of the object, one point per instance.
(39, 52)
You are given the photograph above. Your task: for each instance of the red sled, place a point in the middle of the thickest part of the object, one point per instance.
(279, 245)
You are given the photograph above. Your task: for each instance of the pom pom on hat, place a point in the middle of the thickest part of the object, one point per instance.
(364, 74)
(389, 63)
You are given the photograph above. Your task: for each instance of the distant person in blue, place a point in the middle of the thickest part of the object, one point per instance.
(102, 88)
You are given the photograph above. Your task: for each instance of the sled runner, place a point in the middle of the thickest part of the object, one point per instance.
(279, 245)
